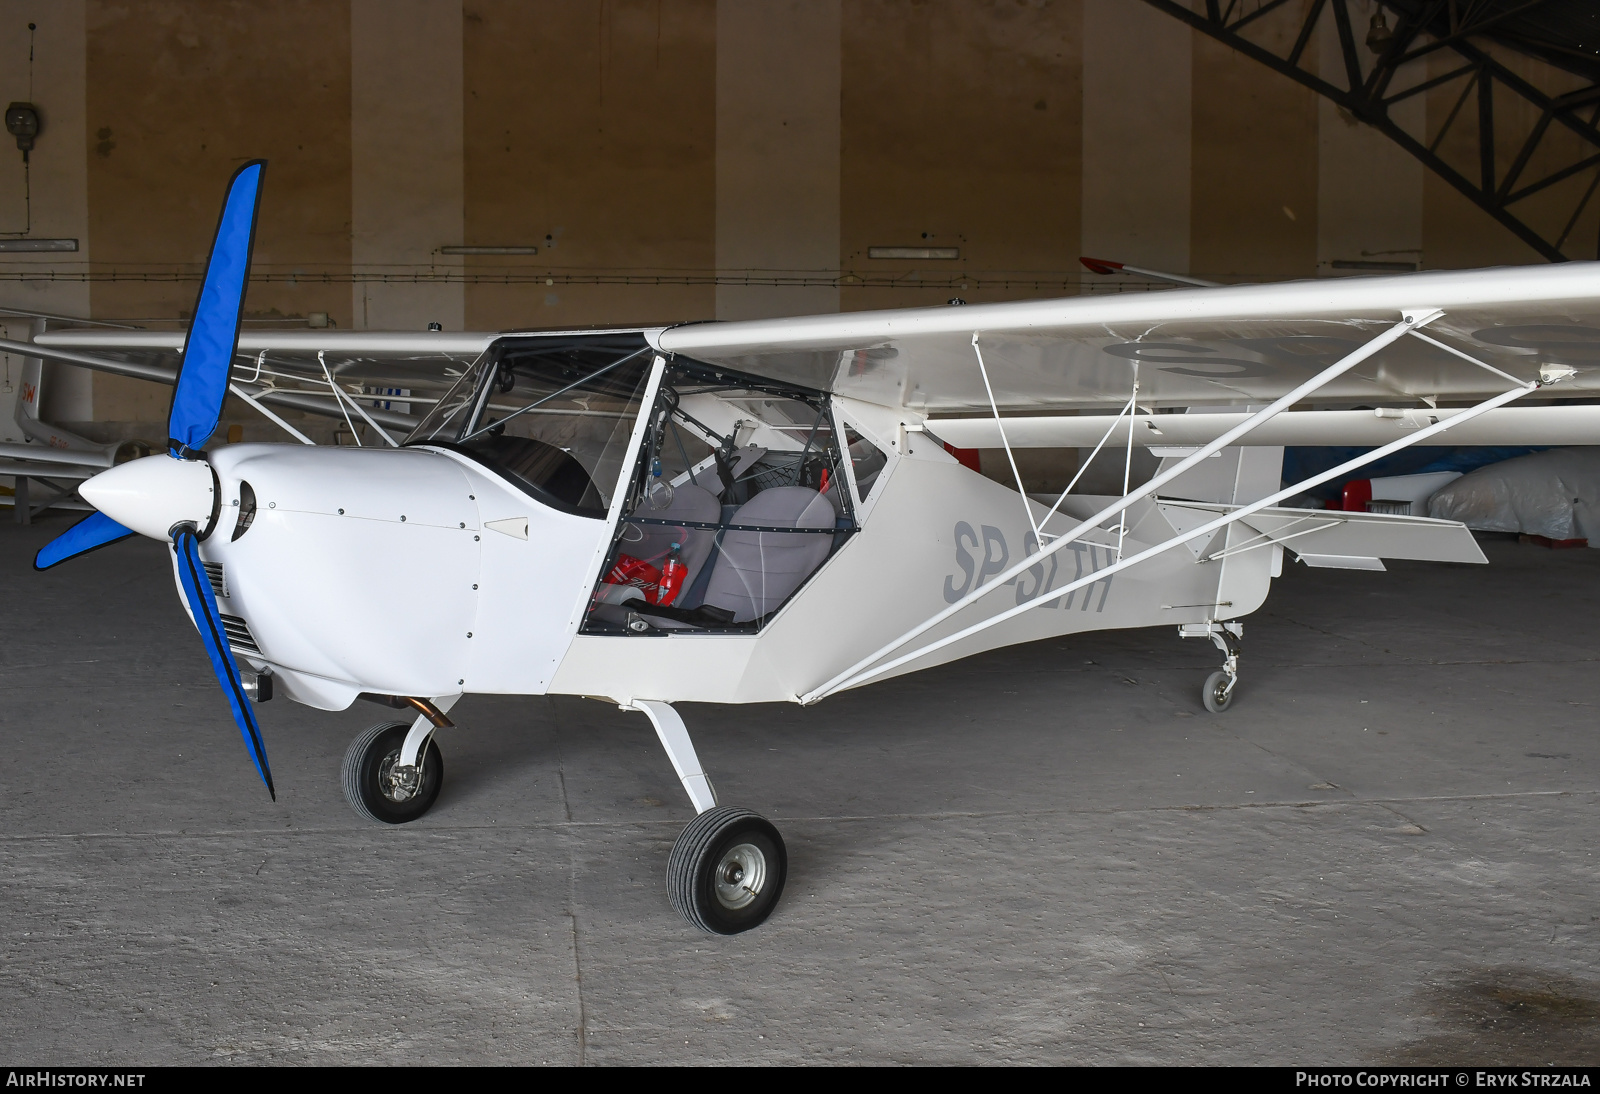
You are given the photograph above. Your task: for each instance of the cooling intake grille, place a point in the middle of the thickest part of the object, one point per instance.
(219, 578)
(239, 636)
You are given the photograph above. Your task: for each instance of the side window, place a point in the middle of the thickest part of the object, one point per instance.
(738, 497)
(867, 461)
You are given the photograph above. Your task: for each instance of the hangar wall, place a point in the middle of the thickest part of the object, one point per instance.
(675, 160)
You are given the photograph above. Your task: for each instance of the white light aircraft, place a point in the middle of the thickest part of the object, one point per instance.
(764, 511)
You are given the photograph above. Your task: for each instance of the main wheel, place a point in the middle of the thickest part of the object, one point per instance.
(726, 871)
(374, 790)
(1216, 694)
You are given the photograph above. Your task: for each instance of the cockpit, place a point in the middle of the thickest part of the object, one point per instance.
(553, 415)
(737, 490)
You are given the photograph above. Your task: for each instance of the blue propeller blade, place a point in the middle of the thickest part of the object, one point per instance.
(214, 334)
(95, 530)
(203, 603)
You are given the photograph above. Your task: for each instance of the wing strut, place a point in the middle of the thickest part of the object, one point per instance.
(865, 670)
(1131, 409)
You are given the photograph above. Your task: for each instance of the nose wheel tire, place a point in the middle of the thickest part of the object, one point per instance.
(1217, 694)
(378, 788)
(727, 870)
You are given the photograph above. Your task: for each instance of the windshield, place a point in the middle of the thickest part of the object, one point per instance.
(553, 414)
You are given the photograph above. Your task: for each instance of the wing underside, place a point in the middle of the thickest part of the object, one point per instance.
(1227, 346)
(1231, 346)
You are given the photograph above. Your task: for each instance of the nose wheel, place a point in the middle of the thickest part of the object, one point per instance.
(379, 787)
(727, 870)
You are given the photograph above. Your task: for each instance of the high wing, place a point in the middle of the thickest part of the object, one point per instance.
(284, 367)
(1201, 347)
(359, 355)
(1191, 347)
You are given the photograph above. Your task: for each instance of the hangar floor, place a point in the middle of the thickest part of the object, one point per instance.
(1384, 852)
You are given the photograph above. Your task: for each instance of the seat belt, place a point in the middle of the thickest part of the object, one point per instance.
(696, 593)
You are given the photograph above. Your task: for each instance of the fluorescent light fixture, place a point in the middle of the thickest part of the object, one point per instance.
(18, 245)
(499, 250)
(937, 253)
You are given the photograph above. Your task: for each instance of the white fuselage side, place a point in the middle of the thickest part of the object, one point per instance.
(397, 572)
(404, 572)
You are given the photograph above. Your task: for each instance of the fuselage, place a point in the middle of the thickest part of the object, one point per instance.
(400, 572)
(426, 571)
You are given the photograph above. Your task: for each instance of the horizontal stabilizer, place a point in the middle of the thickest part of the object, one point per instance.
(1342, 562)
(1333, 538)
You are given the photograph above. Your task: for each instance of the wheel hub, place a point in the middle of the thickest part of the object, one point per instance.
(740, 875)
(397, 782)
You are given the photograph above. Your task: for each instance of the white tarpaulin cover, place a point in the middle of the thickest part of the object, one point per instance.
(1554, 494)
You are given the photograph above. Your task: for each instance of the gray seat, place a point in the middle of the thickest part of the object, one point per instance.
(652, 542)
(756, 571)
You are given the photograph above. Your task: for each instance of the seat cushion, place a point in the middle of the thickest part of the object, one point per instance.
(755, 572)
(652, 542)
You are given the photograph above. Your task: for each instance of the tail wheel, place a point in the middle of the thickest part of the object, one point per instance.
(1217, 694)
(378, 788)
(727, 870)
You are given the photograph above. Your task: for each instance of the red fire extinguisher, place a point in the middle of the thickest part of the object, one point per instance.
(672, 571)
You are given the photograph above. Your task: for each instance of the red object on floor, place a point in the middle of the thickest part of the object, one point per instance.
(966, 457)
(1357, 492)
(1553, 544)
(641, 575)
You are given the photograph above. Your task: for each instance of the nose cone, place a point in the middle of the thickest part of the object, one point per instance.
(153, 494)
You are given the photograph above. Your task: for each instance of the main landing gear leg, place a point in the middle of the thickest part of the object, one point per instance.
(432, 717)
(1217, 692)
(728, 866)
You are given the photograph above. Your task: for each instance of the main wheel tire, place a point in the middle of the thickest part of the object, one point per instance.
(727, 870)
(1216, 694)
(369, 785)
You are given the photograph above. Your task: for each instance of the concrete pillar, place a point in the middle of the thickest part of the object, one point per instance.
(778, 79)
(406, 162)
(1369, 189)
(1137, 118)
(1254, 164)
(58, 165)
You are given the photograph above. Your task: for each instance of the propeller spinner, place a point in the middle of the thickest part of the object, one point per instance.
(174, 497)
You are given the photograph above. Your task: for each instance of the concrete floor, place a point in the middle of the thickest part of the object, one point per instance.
(1384, 852)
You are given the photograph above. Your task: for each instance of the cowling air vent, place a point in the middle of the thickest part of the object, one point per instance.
(247, 509)
(239, 636)
(219, 579)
